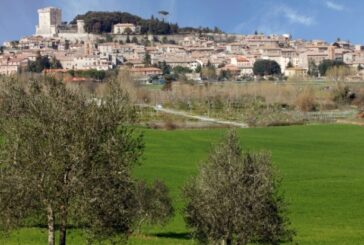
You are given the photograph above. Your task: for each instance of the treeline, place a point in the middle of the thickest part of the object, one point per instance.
(102, 22)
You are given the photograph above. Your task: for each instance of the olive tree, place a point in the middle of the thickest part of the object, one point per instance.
(68, 155)
(234, 199)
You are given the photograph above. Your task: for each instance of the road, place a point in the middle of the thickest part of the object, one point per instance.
(200, 118)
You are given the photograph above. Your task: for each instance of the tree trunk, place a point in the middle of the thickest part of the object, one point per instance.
(229, 241)
(64, 210)
(63, 227)
(50, 216)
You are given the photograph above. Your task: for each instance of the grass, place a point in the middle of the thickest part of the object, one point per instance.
(322, 167)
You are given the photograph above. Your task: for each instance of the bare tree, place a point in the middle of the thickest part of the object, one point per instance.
(234, 198)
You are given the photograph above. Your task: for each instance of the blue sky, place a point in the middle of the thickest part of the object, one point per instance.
(308, 19)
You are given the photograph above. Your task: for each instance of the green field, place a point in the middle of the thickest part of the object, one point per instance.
(323, 177)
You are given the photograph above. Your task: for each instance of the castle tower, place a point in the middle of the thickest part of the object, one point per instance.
(80, 26)
(49, 20)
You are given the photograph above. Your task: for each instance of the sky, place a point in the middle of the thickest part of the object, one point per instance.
(306, 19)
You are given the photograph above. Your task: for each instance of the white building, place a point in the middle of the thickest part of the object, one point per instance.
(49, 20)
(86, 62)
(243, 64)
(123, 27)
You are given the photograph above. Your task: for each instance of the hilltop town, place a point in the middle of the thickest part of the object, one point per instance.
(144, 54)
(111, 125)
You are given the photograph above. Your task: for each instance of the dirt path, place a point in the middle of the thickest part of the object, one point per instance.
(200, 118)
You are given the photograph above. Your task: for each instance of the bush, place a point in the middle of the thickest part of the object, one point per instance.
(328, 64)
(342, 95)
(92, 73)
(339, 73)
(181, 70)
(359, 99)
(306, 101)
(170, 125)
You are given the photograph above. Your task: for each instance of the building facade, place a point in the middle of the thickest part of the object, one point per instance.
(124, 28)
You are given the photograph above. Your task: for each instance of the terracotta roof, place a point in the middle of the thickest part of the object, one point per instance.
(242, 59)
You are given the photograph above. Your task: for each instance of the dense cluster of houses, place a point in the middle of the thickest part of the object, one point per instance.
(234, 53)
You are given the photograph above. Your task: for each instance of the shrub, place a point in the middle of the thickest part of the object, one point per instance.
(339, 73)
(306, 101)
(359, 98)
(327, 64)
(170, 125)
(342, 95)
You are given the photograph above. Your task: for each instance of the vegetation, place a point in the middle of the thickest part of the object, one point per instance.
(135, 40)
(61, 183)
(326, 65)
(208, 72)
(342, 94)
(266, 68)
(166, 69)
(67, 159)
(313, 69)
(102, 22)
(258, 104)
(147, 59)
(306, 100)
(93, 73)
(225, 75)
(43, 62)
(320, 165)
(234, 198)
(181, 70)
(289, 65)
(322, 172)
(339, 73)
(154, 204)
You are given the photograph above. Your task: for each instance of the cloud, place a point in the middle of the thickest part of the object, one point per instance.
(334, 6)
(272, 19)
(294, 17)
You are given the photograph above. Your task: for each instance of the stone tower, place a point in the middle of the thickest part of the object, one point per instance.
(49, 20)
(80, 26)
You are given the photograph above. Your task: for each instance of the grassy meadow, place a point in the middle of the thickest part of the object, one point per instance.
(323, 178)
